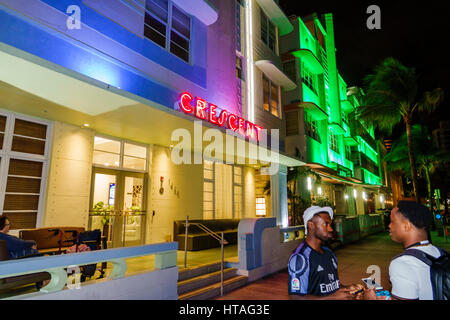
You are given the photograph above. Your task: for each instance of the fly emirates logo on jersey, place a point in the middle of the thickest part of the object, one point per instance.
(332, 286)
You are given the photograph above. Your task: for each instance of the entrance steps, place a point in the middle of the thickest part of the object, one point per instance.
(203, 282)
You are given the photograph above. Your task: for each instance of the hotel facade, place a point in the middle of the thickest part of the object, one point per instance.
(321, 127)
(100, 98)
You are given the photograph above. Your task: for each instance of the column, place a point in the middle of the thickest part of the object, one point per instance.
(278, 192)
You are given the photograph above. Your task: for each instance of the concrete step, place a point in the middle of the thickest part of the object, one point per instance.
(204, 280)
(192, 272)
(213, 290)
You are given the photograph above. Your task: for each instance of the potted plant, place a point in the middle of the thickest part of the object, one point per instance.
(100, 209)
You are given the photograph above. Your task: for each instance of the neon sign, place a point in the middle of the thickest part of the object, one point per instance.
(207, 111)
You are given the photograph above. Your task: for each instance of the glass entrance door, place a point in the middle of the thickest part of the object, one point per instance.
(118, 206)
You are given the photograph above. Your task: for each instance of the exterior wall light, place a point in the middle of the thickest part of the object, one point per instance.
(309, 181)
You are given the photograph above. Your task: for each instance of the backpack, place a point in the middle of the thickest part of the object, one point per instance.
(439, 271)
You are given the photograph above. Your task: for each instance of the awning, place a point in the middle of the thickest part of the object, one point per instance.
(201, 9)
(276, 15)
(346, 106)
(306, 55)
(336, 128)
(350, 141)
(314, 110)
(330, 175)
(276, 75)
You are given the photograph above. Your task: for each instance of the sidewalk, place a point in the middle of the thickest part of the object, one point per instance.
(353, 261)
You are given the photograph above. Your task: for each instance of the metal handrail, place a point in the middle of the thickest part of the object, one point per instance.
(213, 234)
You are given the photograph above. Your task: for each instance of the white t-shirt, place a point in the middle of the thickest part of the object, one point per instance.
(410, 277)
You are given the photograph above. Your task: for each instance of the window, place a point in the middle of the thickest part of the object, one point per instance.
(119, 154)
(168, 26)
(309, 79)
(23, 163)
(291, 123)
(268, 32)
(239, 73)
(270, 97)
(348, 153)
(312, 128)
(289, 68)
(260, 207)
(222, 191)
(334, 144)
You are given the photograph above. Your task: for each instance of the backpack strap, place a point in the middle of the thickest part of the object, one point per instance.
(422, 256)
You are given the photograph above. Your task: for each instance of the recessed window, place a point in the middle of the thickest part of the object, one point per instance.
(271, 97)
(289, 69)
(268, 32)
(333, 143)
(168, 26)
(309, 79)
(312, 128)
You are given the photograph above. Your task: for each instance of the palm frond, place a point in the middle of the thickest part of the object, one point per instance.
(430, 100)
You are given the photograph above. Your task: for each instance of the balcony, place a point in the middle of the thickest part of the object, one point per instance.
(369, 165)
(361, 160)
(275, 14)
(316, 112)
(310, 59)
(350, 141)
(337, 128)
(276, 75)
(356, 129)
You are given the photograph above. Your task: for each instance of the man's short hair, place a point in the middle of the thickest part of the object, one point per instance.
(416, 213)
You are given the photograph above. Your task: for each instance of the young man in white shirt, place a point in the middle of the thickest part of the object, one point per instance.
(409, 276)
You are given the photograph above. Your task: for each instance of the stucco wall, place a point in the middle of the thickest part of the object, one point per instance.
(182, 195)
(69, 179)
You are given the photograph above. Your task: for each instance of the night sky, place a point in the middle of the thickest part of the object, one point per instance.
(414, 32)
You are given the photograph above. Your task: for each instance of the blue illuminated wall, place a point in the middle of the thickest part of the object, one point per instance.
(110, 47)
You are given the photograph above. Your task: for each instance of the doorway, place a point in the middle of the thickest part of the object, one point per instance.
(118, 206)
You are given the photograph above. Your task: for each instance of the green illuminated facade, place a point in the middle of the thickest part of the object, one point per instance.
(320, 124)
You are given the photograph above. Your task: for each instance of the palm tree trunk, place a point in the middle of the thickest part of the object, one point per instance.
(427, 174)
(412, 160)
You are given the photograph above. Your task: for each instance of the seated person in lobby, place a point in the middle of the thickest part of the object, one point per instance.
(16, 247)
(313, 269)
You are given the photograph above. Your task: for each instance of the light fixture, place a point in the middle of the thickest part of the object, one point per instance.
(86, 125)
(319, 191)
(364, 195)
(346, 196)
(355, 194)
(309, 181)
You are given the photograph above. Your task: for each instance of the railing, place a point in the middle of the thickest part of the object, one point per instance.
(112, 216)
(166, 257)
(213, 234)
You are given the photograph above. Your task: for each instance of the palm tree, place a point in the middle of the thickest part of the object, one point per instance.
(392, 96)
(428, 157)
